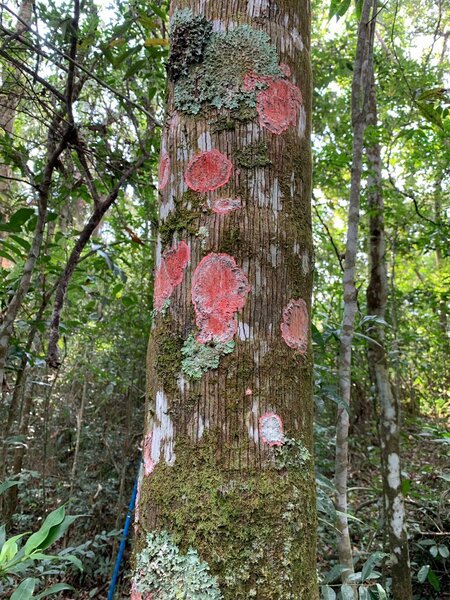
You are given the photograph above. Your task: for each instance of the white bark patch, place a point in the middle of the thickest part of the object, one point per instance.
(252, 420)
(201, 427)
(394, 471)
(204, 141)
(398, 517)
(302, 122)
(296, 39)
(244, 331)
(273, 252)
(166, 208)
(162, 440)
(256, 8)
(305, 263)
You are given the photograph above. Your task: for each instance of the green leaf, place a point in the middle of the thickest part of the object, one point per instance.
(2, 535)
(373, 560)
(338, 8)
(347, 592)
(433, 580)
(328, 593)
(10, 548)
(25, 589)
(434, 551)
(54, 589)
(6, 485)
(16, 220)
(39, 539)
(423, 572)
(333, 574)
(381, 593)
(363, 593)
(443, 551)
(24, 243)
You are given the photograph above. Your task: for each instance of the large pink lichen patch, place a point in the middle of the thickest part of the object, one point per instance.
(271, 429)
(164, 171)
(219, 290)
(222, 206)
(137, 595)
(208, 171)
(295, 325)
(149, 465)
(170, 273)
(278, 104)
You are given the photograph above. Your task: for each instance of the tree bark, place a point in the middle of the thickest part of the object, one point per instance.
(363, 58)
(228, 467)
(389, 402)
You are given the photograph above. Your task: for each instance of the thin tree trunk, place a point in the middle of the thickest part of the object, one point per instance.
(364, 52)
(228, 467)
(80, 415)
(389, 402)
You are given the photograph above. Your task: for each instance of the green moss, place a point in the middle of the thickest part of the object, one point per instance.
(253, 528)
(228, 120)
(188, 210)
(253, 155)
(188, 40)
(168, 354)
(218, 80)
(230, 241)
(199, 358)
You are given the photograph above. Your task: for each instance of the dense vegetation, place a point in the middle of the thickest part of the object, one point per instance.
(74, 381)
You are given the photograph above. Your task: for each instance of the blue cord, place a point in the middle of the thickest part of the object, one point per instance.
(123, 541)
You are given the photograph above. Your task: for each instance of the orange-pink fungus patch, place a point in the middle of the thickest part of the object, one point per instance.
(208, 171)
(295, 325)
(219, 290)
(285, 69)
(278, 104)
(222, 206)
(170, 273)
(137, 595)
(271, 429)
(149, 465)
(164, 171)
(248, 392)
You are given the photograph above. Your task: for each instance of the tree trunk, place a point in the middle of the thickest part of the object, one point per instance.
(228, 468)
(389, 402)
(363, 58)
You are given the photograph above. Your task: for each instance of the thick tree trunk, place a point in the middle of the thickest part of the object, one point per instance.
(389, 403)
(228, 465)
(363, 58)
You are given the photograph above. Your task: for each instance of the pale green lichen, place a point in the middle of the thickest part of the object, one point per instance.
(218, 80)
(166, 573)
(292, 454)
(199, 358)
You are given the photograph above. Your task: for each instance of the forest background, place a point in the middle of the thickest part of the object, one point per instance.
(74, 362)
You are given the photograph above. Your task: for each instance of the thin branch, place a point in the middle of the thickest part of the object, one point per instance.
(330, 237)
(85, 70)
(74, 258)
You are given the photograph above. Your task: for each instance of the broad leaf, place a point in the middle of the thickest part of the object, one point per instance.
(25, 589)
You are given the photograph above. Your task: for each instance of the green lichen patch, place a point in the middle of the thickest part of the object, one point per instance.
(292, 454)
(199, 358)
(184, 217)
(228, 120)
(162, 570)
(188, 40)
(252, 527)
(253, 155)
(218, 80)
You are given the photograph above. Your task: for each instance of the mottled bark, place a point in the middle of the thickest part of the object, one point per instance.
(228, 449)
(389, 403)
(363, 58)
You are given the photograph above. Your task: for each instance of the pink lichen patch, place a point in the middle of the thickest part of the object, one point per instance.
(248, 392)
(271, 429)
(149, 465)
(170, 273)
(208, 171)
(295, 325)
(222, 206)
(137, 595)
(219, 290)
(164, 171)
(278, 104)
(285, 69)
